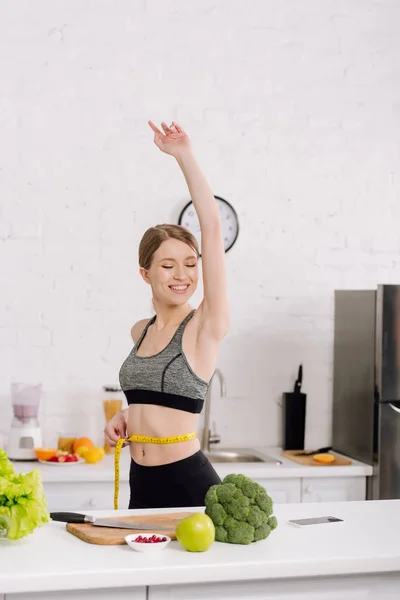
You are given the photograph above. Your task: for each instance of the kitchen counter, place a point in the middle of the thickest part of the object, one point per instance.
(104, 470)
(355, 558)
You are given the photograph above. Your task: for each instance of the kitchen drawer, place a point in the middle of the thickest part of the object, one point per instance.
(333, 489)
(137, 593)
(81, 496)
(363, 587)
(282, 491)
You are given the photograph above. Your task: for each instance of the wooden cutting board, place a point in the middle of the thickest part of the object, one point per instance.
(109, 536)
(310, 462)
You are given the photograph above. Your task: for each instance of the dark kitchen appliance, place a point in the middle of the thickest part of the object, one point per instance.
(366, 384)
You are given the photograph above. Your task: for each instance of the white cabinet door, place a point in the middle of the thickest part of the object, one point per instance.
(99, 495)
(139, 593)
(81, 496)
(282, 491)
(333, 489)
(380, 587)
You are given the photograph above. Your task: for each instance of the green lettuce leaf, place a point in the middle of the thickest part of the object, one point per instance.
(6, 466)
(23, 505)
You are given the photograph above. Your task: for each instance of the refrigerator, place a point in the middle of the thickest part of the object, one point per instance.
(366, 384)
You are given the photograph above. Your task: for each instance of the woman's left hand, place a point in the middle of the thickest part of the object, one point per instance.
(173, 141)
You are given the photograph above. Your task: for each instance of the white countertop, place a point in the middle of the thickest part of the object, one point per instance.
(104, 470)
(366, 542)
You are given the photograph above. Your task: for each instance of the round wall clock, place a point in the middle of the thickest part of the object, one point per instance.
(229, 222)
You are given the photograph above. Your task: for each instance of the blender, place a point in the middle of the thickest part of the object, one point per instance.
(25, 434)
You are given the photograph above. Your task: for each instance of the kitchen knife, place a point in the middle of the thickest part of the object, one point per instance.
(70, 517)
(310, 452)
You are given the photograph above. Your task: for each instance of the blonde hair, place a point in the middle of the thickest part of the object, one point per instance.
(155, 236)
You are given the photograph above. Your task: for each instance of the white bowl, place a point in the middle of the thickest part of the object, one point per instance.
(146, 547)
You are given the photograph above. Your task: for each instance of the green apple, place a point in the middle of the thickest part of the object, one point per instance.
(196, 533)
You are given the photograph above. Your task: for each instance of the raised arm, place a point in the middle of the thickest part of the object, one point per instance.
(214, 309)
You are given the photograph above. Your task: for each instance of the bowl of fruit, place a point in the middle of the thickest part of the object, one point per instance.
(59, 457)
(147, 542)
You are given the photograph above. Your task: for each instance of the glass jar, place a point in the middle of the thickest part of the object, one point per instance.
(112, 403)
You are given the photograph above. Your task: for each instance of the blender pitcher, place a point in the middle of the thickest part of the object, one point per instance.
(25, 399)
(25, 434)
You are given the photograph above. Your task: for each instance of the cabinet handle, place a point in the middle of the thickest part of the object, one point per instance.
(309, 489)
(92, 502)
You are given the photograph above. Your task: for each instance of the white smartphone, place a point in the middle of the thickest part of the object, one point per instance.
(314, 521)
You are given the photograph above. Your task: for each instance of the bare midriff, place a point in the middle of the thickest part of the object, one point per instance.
(160, 421)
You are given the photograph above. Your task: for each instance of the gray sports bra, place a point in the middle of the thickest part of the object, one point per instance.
(165, 378)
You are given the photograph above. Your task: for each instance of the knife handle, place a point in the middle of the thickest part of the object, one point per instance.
(68, 517)
(319, 451)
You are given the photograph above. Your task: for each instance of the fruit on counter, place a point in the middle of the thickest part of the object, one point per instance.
(324, 457)
(45, 453)
(153, 539)
(82, 441)
(60, 457)
(93, 455)
(23, 505)
(196, 533)
(240, 509)
(81, 451)
(66, 444)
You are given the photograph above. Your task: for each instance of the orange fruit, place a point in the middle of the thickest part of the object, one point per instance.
(324, 457)
(82, 441)
(45, 453)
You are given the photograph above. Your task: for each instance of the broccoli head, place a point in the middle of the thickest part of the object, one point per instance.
(262, 532)
(263, 501)
(240, 509)
(273, 522)
(217, 513)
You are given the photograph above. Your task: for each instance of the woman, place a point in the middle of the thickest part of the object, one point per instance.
(166, 375)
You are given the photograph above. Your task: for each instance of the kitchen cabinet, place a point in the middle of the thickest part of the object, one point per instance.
(362, 587)
(139, 593)
(84, 495)
(340, 588)
(99, 495)
(282, 491)
(315, 489)
(333, 489)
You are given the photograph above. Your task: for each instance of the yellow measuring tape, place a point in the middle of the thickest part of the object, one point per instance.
(146, 440)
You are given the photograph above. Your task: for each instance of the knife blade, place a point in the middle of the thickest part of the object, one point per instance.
(310, 452)
(70, 517)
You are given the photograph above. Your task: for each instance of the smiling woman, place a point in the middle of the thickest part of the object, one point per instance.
(166, 375)
(165, 262)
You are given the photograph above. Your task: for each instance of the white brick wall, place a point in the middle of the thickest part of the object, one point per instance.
(294, 110)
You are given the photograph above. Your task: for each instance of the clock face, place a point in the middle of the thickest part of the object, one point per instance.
(229, 222)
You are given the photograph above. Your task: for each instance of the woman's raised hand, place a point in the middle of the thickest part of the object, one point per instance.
(172, 140)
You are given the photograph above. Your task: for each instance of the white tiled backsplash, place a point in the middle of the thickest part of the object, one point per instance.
(293, 108)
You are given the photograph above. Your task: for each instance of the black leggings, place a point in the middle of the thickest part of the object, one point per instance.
(178, 484)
